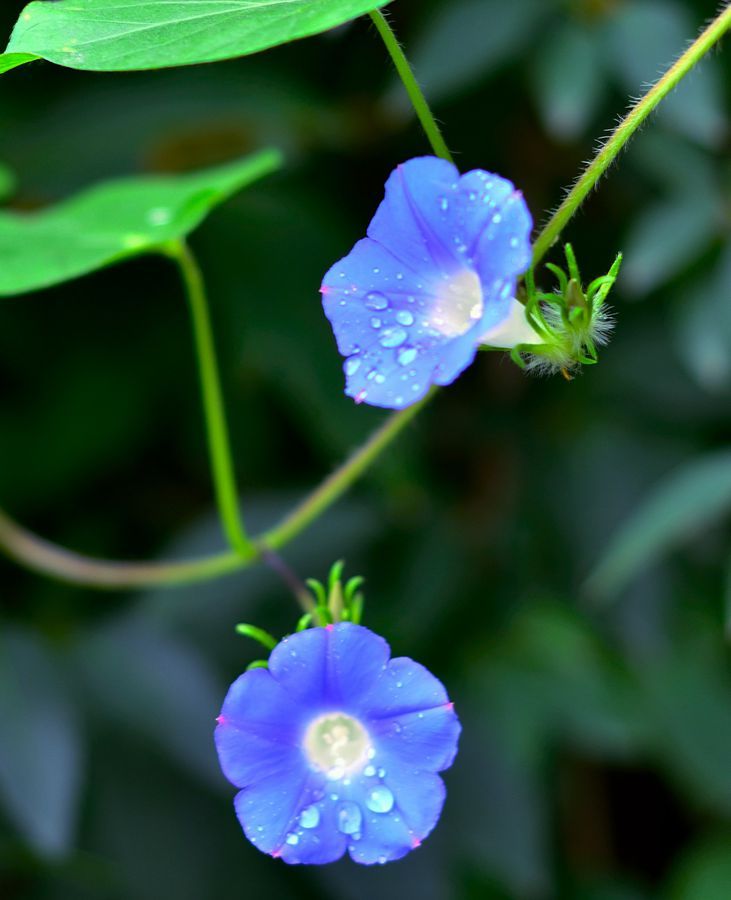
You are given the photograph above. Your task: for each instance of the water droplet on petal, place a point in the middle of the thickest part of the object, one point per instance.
(375, 300)
(404, 317)
(310, 817)
(370, 771)
(392, 337)
(293, 840)
(349, 818)
(407, 356)
(352, 366)
(444, 204)
(376, 322)
(380, 799)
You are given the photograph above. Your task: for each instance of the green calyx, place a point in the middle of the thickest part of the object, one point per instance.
(334, 601)
(570, 322)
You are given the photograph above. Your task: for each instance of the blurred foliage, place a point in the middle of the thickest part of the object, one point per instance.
(595, 754)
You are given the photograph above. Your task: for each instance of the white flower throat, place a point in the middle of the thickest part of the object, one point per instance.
(458, 304)
(337, 744)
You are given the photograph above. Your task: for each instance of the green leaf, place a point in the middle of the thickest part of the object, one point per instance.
(40, 747)
(117, 35)
(9, 61)
(146, 681)
(690, 499)
(705, 872)
(667, 237)
(568, 80)
(113, 221)
(703, 327)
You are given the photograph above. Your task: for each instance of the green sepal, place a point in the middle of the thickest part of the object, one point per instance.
(257, 634)
(257, 664)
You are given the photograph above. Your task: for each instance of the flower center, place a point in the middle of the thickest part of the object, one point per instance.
(336, 744)
(458, 304)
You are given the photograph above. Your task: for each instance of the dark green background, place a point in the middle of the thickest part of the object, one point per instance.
(596, 756)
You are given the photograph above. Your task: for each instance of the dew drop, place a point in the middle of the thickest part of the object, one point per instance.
(370, 771)
(376, 322)
(404, 317)
(497, 218)
(444, 204)
(381, 773)
(392, 337)
(399, 276)
(352, 366)
(407, 356)
(375, 300)
(292, 840)
(310, 817)
(380, 799)
(376, 270)
(349, 818)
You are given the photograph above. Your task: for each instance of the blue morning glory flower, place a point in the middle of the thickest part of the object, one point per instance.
(434, 279)
(336, 748)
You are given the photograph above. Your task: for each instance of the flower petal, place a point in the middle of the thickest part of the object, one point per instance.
(269, 809)
(409, 220)
(426, 739)
(257, 705)
(404, 687)
(502, 253)
(399, 811)
(381, 314)
(299, 666)
(356, 658)
(247, 758)
(329, 668)
(315, 844)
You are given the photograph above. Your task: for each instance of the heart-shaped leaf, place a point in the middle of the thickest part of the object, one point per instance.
(116, 35)
(115, 220)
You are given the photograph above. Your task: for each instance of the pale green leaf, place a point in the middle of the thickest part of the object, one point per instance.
(690, 499)
(115, 35)
(115, 220)
(40, 745)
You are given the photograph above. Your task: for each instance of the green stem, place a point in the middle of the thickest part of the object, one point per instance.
(416, 95)
(342, 478)
(550, 233)
(218, 441)
(39, 555)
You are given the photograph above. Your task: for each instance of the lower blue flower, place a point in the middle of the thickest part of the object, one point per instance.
(337, 748)
(435, 278)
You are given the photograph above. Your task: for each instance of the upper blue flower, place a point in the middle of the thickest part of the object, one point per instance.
(435, 278)
(337, 748)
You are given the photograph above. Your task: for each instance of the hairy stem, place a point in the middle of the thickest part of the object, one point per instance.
(416, 95)
(637, 114)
